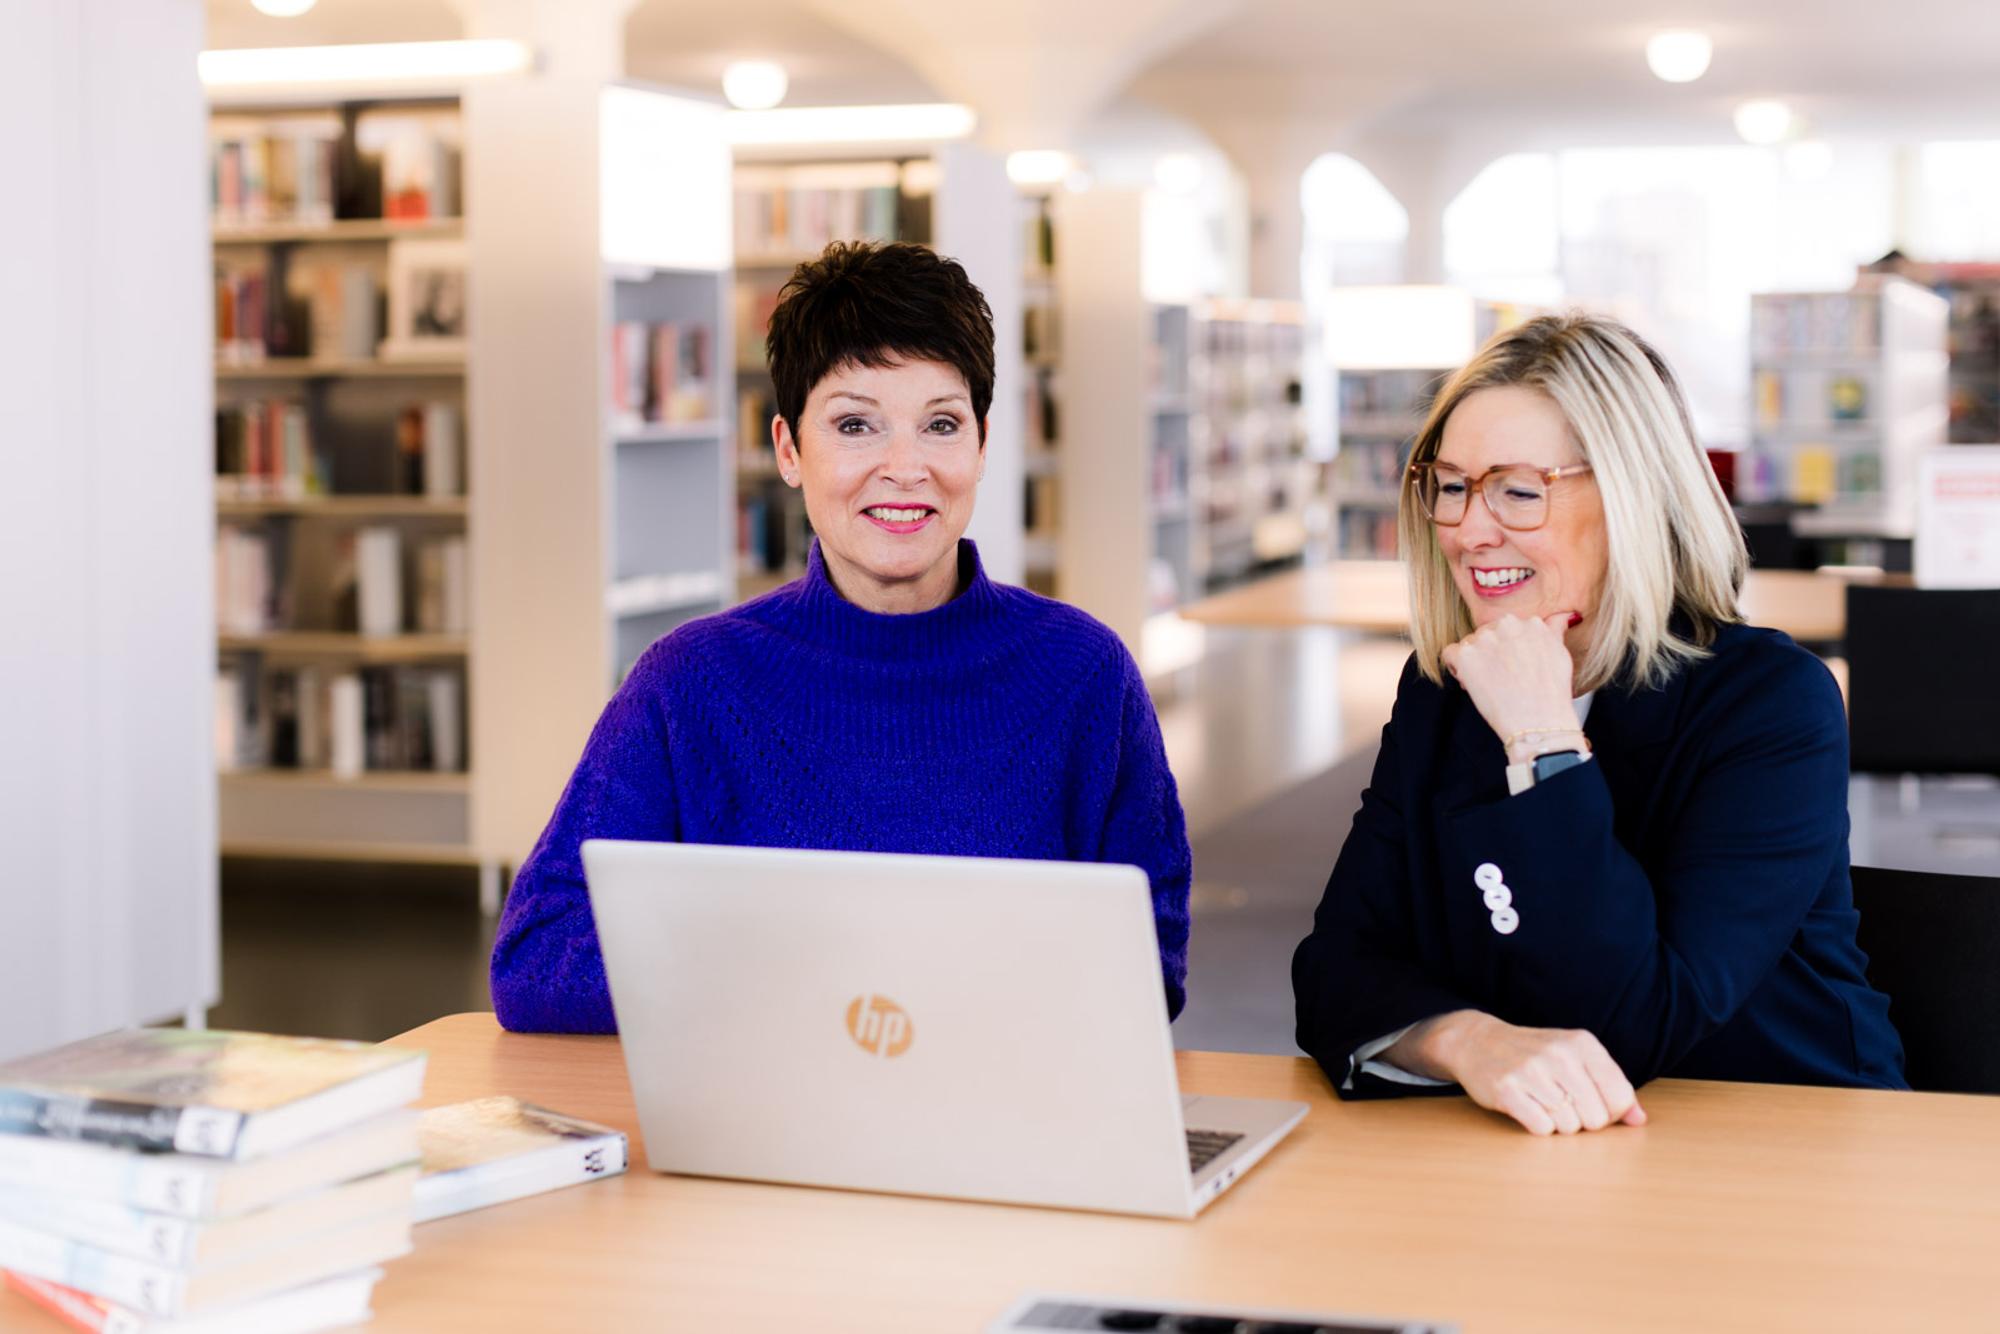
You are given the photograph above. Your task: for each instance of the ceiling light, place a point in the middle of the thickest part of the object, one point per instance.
(282, 9)
(1679, 57)
(1178, 173)
(931, 122)
(1039, 166)
(1764, 121)
(755, 85)
(387, 61)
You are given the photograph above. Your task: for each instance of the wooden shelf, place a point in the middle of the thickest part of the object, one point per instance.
(316, 780)
(421, 854)
(356, 507)
(315, 368)
(336, 644)
(341, 229)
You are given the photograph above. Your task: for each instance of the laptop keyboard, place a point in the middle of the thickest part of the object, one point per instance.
(1205, 1146)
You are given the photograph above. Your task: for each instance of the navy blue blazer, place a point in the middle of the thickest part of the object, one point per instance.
(1684, 896)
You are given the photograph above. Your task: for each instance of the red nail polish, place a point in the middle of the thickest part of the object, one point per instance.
(1576, 618)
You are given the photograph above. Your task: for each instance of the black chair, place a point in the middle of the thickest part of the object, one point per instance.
(1923, 680)
(1933, 945)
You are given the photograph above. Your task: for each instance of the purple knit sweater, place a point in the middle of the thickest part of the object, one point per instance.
(1001, 724)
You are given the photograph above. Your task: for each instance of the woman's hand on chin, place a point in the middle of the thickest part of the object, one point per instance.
(1551, 1080)
(1521, 679)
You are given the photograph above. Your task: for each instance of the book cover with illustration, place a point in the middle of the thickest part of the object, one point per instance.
(202, 1092)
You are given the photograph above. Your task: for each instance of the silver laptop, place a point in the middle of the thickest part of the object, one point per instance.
(968, 1027)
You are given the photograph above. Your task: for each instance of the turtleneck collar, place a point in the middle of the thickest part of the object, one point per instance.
(823, 616)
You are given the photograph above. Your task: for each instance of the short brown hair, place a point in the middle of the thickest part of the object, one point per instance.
(863, 303)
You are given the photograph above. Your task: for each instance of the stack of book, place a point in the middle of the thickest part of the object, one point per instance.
(164, 1179)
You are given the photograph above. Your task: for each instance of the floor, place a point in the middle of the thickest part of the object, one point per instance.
(1255, 733)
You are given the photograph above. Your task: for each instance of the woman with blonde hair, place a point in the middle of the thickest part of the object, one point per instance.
(1606, 835)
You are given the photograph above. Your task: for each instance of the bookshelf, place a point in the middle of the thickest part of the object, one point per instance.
(1849, 388)
(1972, 336)
(341, 481)
(581, 333)
(1177, 482)
(1380, 413)
(790, 201)
(1248, 438)
(1041, 390)
(786, 212)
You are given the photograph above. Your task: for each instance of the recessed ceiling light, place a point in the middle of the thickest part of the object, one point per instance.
(1764, 121)
(755, 85)
(1679, 57)
(283, 9)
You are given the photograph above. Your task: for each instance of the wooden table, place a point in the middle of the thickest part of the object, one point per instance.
(1371, 595)
(1740, 1207)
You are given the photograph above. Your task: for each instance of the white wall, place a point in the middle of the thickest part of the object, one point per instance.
(107, 778)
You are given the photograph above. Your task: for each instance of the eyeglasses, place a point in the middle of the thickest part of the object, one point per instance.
(1517, 494)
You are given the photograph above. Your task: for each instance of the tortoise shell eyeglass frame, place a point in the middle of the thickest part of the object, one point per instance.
(1486, 483)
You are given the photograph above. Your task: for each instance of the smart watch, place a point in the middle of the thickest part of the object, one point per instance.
(1554, 762)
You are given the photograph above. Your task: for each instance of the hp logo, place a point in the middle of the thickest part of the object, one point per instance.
(879, 1026)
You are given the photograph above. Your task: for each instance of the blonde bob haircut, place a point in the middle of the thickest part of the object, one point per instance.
(1675, 554)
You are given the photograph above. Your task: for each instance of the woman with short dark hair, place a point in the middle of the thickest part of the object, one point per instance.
(894, 699)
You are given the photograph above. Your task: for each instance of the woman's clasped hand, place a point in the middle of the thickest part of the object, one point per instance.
(1551, 1080)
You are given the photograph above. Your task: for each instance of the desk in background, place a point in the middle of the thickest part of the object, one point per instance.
(1741, 1207)
(1371, 595)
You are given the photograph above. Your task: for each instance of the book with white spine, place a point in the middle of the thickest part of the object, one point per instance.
(492, 1150)
(330, 1304)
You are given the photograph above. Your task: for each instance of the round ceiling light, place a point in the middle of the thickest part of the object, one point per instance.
(1764, 121)
(1679, 57)
(755, 85)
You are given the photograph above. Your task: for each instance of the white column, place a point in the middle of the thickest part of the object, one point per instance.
(978, 224)
(107, 658)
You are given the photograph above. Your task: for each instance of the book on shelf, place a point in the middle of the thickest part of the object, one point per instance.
(795, 211)
(408, 162)
(395, 719)
(203, 1092)
(378, 580)
(273, 305)
(429, 451)
(328, 1304)
(492, 1150)
(661, 372)
(264, 449)
(755, 300)
(252, 569)
(275, 168)
(1814, 324)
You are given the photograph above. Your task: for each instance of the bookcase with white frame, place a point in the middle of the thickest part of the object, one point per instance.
(790, 202)
(579, 332)
(342, 496)
(1849, 389)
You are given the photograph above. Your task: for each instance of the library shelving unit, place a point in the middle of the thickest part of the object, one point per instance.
(1392, 348)
(1973, 335)
(1178, 483)
(786, 213)
(1254, 481)
(790, 202)
(477, 522)
(1380, 413)
(1849, 389)
(341, 472)
(1041, 388)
